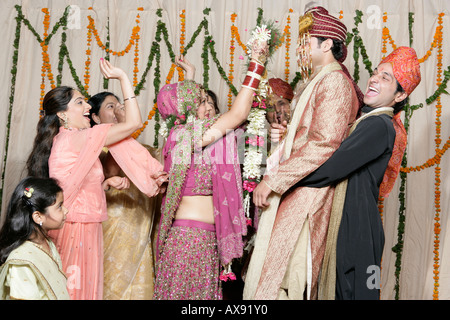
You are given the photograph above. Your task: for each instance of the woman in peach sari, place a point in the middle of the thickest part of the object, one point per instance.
(68, 150)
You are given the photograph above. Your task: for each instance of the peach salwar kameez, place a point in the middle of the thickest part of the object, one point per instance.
(74, 163)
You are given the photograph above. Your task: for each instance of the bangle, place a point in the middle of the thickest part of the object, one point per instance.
(253, 76)
(133, 97)
(251, 83)
(256, 67)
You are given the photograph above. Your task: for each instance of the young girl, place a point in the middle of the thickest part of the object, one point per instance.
(31, 267)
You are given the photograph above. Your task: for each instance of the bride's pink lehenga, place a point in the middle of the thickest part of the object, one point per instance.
(191, 253)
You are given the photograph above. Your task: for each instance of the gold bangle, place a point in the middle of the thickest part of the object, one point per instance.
(133, 97)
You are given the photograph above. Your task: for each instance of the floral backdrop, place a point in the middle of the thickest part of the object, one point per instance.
(49, 43)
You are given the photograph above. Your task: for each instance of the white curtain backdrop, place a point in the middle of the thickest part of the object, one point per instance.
(416, 280)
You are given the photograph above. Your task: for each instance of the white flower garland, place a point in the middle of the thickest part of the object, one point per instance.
(163, 129)
(260, 34)
(253, 156)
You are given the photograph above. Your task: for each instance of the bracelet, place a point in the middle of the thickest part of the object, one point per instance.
(251, 83)
(133, 97)
(253, 77)
(256, 67)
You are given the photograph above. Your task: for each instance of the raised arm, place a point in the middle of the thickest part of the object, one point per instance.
(133, 120)
(241, 107)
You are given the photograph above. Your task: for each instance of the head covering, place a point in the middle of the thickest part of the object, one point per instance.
(407, 72)
(325, 25)
(179, 100)
(406, 67)
(281, 88)
(317, 22)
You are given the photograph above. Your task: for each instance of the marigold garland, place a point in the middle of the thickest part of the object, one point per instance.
(437, 170)
(434, 161)
(154, 110)
(88, 57)
(386, 36)
(235, 30)
(100, 43)
(136, 38)
(182, 38)
(287, 35)
(46, 69)
(436, 38)
(235, 37)
(232, 49)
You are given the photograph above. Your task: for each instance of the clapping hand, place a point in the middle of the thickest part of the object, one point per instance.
(109, 71)
(116, 182)
(161, 178)
(184, 63)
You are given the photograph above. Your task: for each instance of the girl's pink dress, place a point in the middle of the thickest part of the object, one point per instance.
(74, 162)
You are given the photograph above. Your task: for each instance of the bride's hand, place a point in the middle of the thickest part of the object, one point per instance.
(184, 63)
(260, 51)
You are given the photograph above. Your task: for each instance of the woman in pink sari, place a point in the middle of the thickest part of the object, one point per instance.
(67, 149)
(202, 218)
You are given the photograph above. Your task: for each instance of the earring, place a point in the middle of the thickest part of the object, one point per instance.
(40, 224)
(64, 121)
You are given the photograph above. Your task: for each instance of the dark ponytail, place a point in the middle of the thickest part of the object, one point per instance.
(56, 100)
(19, 225)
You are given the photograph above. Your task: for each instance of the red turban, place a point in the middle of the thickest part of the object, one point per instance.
(319, 23)
(281, 88)
(406, 67)
(323, 24)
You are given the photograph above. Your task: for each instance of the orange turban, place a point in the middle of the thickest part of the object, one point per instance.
(281, 88)
(406, 67)
(407, 72)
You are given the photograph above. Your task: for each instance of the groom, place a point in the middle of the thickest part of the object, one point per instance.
(291, 235)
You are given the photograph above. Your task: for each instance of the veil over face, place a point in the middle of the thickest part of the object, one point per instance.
(179, 100)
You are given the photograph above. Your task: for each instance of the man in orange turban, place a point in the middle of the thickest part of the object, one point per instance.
(365, 166)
